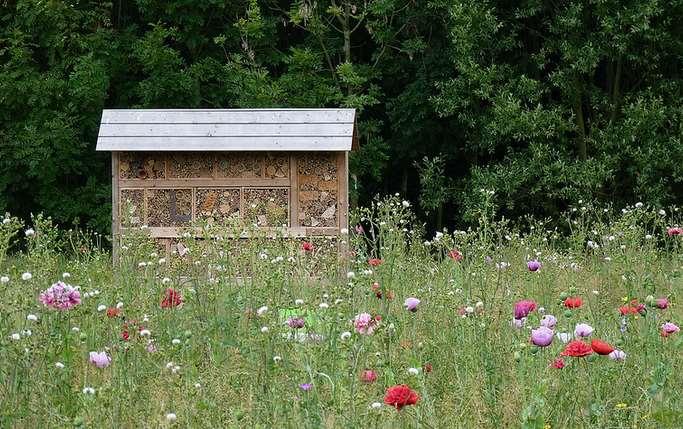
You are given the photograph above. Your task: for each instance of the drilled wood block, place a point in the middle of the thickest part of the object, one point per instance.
(266, 207)
(217, 205)
(239, 165)
(132, 207)
(141, 165)
(169, 207)
(190, 165)
(276, 165)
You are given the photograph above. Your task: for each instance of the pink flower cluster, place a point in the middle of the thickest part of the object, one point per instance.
(60, 296)
(365, 324)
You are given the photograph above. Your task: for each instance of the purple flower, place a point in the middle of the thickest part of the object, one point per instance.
(617, 355)
(542, 337)
(518, 323)
(100, 359)
(60, 296)
(662, 303)
(533, 265)
(523, 308)
(669, 328)
(583, 330)
(305, 386)
(365, 324)
(411, 304)
(549, 321)
(296, 322)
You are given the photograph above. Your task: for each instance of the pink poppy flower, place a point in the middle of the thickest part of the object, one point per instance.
(411, 304)
(542, 337)
(100, 359)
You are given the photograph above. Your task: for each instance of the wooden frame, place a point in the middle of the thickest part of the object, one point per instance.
(291, 183)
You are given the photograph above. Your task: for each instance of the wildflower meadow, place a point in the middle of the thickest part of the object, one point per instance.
(536, 323)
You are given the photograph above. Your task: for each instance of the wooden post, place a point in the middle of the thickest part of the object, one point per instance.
(115, 221)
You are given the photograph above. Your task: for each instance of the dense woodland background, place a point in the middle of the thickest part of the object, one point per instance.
(545, 102)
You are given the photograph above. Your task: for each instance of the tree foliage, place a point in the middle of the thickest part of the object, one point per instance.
(544, 102)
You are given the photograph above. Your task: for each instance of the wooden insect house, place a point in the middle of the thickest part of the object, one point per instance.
(283, 170)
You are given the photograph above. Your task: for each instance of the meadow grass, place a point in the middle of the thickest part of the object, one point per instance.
(222, 360)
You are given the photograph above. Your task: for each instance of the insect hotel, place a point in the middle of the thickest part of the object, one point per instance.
(283, 170)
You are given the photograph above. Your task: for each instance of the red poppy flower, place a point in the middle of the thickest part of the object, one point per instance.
(627, 309)
(573, 302)
(577, 348)
(601, 347)
(307, 246)
(558, 363)
(173, 298)
(374, 262)
(455, 255)
(400, 395)
(125, 336)
(113, 312)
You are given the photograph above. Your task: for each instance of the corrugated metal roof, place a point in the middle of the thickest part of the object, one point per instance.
(227, 130)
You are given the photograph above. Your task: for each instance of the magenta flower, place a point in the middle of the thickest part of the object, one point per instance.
(411, 304)
(100, 359)
(365, 324)
(60, 296)
(549, 321)
(662, 303)
(617, 355)
(542, 337)
(296, 322)
(523, 308)
(674, 231)
(583, 330)
(305, 386)
(669, 328)
(534, 265)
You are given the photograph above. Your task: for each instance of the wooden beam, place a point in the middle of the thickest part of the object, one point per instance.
(206, 183)
(270, 232)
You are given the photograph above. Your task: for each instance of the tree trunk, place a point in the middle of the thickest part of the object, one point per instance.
(580, 124)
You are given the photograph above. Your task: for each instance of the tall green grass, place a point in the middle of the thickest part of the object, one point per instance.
(214, 366)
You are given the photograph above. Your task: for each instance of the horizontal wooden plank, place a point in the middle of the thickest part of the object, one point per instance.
(150, 144)
(227, 116)
(226, 130)
(210, 183)
(290, 232)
